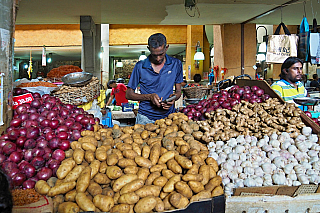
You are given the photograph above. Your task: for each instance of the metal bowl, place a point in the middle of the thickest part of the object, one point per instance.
(307, 101)
(310, 89)
(77, 78)
(193, 100)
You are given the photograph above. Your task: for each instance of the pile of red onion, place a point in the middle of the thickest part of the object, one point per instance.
(316, 120)
(225, 99)
(39, 133)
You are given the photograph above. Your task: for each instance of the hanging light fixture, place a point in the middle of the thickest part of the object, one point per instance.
(119, 63)
(49, 58)
(142, 56)
(199, 56)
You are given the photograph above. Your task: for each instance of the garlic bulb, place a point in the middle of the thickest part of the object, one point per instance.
(233, 156)
(231, 162)
(248, 170)
(267, 168)
(249, 182)
(220, 160)
(312, 153)
(314, 178)
(274, 143)
(238, 183)
(219, 144)
(232, 142)
(299, 169)
(289, 182)
(246, 164)
(286, 135)
(233, 175)
(225, 181)
(273, 154)
(247, 138)
(292, 176)
(211, 145)
(240, 139)
(306, 165)
(310, 172)
(301, 145)
(292, 149)
(279, 162)
(279, 178)
(222, 173)
(303, 179)
(316, 165)
(261, 143)
(313, 159)
(266, 138)
(273, 136)
(267, 148)
(296, 183)
(238, 169)
(239, 149)
(288, 168)
(227, 150)
(313, 138)
(227, 166)
(259, 181)
(306, 131)
(315, 147)
(285, 145)
(213, 155)
(243, 157)
(243, 176)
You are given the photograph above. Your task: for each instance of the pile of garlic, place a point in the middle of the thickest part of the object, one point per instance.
(274, 160)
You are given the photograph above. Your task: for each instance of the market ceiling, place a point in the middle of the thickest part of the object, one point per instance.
(164, 12)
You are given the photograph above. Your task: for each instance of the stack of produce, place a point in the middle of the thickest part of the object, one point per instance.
(225, 100)
(39, 133)
(57, 73)
(144, 168)
(37, 84)
(275, 160)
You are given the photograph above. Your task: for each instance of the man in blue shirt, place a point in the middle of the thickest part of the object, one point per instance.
(157, 75)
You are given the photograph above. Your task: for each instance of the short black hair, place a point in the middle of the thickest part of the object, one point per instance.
(315, 76)
(287, 64)
(157, 40)
(5, 194)
(110, 82)
(197, 78)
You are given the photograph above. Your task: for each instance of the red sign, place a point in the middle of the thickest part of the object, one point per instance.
(21, 99)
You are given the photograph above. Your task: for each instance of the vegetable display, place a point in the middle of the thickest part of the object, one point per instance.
(39, 133)
(153, 167)
(277, 159)
(225, 99)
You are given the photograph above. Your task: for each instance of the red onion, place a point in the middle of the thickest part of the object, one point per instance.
(22, 131)
(52, 114)
(13, 134)
(265, 97)
(29, 184)
(22, 164)
(33, 132)
(21, 109)
(64, 145)
(45, 96)
(97, 120)
(36, 95)
(254, 88)
(38, 162)
(92, 121)
(76, 126)
(13, 172)
(76, 134)
(53, 124)
(47, 155)
(18, 179)
(253, 100)
(62, 128)
(4, 136)
(44, 173)
(69, 106)
(29, 170)
(64, 112)
(2, 158)
(17, 91)
(9, 148)
(308, 114)
(16, 122)
(32, 110)
(28, 155)
(59, 155)
(79, 117)
(38, 152)
(52, 163)
(62, 135)
(42, 143)
(15, 157)
(259, 92)
(54, 143)
(50, 135)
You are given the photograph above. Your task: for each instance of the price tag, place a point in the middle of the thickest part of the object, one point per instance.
(21, 99)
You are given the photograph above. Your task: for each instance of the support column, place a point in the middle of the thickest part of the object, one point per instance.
(105, 54)
(91, 40)
(227, 48)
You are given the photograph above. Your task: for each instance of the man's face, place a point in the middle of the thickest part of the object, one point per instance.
(157, 55)
(294, 73)
(114, 85)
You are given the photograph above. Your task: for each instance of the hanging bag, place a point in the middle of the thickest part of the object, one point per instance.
(315, 44)
(280, 47)
(304, 40)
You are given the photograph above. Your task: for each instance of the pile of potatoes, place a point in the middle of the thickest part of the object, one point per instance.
(143, 168)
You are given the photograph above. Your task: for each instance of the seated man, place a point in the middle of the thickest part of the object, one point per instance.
(314, 82)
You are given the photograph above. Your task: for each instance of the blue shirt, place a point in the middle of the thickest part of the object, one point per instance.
(160, 83)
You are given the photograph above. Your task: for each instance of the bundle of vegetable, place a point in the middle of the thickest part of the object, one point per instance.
(275, 160)
(154, 167)
(255, 119)
(225, 100)
(38, 135)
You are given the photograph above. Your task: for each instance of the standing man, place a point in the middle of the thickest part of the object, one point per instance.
(118, 91)
(314, 82)
(290, 86)
(157, 75)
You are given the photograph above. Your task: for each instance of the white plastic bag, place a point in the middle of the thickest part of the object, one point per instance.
(95, 110)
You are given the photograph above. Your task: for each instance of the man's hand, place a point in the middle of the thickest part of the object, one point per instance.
(154, 98)
(167, 105)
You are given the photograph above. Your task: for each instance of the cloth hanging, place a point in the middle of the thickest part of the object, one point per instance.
(315, 48)
(304, 40)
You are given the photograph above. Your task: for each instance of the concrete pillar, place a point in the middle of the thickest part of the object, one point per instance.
(91, 43)
(105, 53)
(7, 8)
(227, 48)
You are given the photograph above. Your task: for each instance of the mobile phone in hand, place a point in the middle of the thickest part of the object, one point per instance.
(170, 99)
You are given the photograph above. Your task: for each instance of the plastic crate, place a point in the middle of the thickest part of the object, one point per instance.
(107, 119)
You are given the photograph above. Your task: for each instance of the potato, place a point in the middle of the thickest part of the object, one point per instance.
(163, 194)
(143, 162)
(103, 167)
(150, 190)
(78, 155)
(123, 180)
(203, 154)
(201, 195)
(143, 173)
(87, 133)
(159, 206)
(61, 189)
(131, 170)
(89, 156)
(174, 166)
(103, 202)
(108, 141)
(194, 169)
(101, 154)
(156, 140)
(217, 191)
(152, 177)
(124, 136)
(117, 152)
(197, 135)
(132, 186)
(113, 172)
(112, 159)
(160, 181)
(65, 167)
(101, 178)
(68, 207)
(213, 183)
(169, 187)
(183, 161)
(84, 180)
(204, 170)
(68, 153)
(166, 202)
(167, 173)
(74, 174)
(88, 146)
(166, 157)
(95, 165)
(123, 163)
(94, 189)
(57, 200)
(128, 140)
(151, 127)
(129, 153)
(128, 130)
(42, 187)
(71, 196)
(75, 144)
(196, 186)
(136, 148)
(158, 167)
(155, 154)
(144, 134)
(123, 146)
(168, 143)
(145, 204)
(183, 149)
(212, 172)
(138, 141)
(186, 129)
(194, 177)
(121, 208)
(191, 152)
(183, 189)
(129, 198)
(178, 200)
(212, 162)
(196, 159)
(116, 197)
(163, 150)
(108, 192)
(145, 151)
(84, 203)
